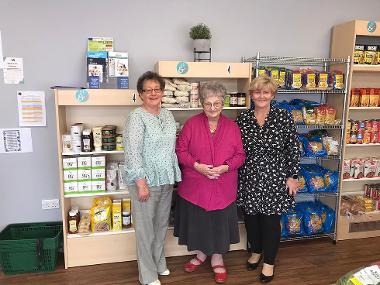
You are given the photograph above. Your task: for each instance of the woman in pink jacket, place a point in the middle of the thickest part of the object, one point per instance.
(210, 151)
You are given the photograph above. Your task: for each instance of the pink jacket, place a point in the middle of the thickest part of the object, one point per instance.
(195, 143)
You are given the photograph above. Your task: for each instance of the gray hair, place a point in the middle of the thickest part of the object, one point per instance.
(212, 88)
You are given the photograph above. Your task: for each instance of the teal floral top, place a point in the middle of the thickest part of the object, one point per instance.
(149, 142)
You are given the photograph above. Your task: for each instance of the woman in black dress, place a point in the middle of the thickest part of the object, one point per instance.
(268, 180)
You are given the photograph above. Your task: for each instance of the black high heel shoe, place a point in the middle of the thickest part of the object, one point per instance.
(266, 279)
(253, 266)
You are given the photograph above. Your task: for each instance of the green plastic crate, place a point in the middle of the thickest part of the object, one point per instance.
(30, 247)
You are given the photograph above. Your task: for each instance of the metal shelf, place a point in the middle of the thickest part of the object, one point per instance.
(318, 126)
(291, 91)
(329, 157)
(332, 236)
(319, 194)
(298, 61)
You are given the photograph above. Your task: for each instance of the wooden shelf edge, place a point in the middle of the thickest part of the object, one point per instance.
(362, 179)
(365, 68)
(108, 233)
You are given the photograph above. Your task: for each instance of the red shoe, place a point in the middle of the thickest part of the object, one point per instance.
(220, 277)
(190, 267)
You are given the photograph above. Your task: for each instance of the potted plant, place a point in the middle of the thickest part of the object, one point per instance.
(201, 36)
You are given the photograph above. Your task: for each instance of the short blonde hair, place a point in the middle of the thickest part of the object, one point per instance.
(263, 82)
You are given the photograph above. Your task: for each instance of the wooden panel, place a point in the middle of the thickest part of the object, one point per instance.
(118, 247)
(205, 69)
(343, 40)
(101, 249)
(361, 28)
(102, 97)
(344, 226)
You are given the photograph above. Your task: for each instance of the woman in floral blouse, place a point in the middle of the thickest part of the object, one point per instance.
(151, 167)
(268, 180)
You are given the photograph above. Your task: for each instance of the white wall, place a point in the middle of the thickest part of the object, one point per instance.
(51, 37)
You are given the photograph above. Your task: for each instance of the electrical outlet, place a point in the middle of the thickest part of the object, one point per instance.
(50, 204)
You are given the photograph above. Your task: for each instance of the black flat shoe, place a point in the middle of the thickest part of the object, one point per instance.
(253, 266)
(266, 279)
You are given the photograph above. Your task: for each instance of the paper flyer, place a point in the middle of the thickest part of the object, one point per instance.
(1, 53)
(16, 140)
(31, 108)
(13, 70)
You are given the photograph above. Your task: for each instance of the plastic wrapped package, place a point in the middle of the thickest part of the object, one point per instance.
(293, 224)
(312, 221)
(314, 147)
(331, 180)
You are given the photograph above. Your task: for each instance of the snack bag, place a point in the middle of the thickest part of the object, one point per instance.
(331, 180)
(309, 115)
(314, 179)
(101, 214)
(283, 228)
(312, 221)
(328, 219)
(314, 147)
(330, 115)
(302, 184)
(293, 224)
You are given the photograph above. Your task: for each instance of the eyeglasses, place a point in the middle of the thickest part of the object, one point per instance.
(209, 105)
(150, 91)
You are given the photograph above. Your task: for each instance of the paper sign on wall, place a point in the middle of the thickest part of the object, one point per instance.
(31, 108)
(1, 54)
(13, 70)
(16, 140)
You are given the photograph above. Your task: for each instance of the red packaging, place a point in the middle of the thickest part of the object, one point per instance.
(347, 169)
(375, 132)
(369, 168)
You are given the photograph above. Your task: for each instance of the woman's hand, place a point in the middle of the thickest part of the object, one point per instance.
(219, 170)
(204, 169)
(292, 186)
(143, 192)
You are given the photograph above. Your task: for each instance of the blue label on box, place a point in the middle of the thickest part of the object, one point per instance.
(97, 54)
(93, 82)
(122, 82)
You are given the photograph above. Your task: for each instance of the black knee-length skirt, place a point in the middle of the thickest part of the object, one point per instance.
(211, 232)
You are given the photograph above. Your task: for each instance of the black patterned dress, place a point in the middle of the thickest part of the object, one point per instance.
(272, 156)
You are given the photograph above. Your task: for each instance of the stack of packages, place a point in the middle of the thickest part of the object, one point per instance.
(309, 218)
(358, 168)
(356, 204)
(176, 94)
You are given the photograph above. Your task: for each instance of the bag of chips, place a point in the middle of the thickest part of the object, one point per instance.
(293, 224)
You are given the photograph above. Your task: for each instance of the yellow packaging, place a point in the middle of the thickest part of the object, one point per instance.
(101, 214)
(116, 215)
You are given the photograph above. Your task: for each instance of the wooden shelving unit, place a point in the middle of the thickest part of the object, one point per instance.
(235, 76)
(108, 106)
(344, 38)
